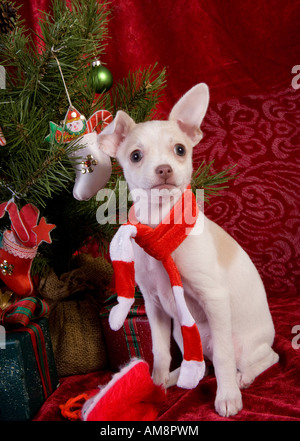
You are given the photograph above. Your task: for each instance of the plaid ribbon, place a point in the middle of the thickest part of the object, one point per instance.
(132, 337)
(21, 314)
(138, 308)
(39, 347)
(133, 340)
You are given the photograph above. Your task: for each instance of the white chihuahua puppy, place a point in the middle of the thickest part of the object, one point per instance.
(223, 289)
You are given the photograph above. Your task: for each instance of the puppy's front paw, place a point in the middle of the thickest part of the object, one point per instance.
(161, 377)
(243, 380)
(229, 404)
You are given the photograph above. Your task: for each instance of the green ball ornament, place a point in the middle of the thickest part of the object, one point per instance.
(100, 78)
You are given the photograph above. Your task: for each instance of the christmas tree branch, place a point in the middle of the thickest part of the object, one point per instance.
(41, 173)
(211, 183)
(139, 93)
(45, 180)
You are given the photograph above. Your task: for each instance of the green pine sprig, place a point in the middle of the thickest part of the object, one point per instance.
(139, 93)
(211, 183)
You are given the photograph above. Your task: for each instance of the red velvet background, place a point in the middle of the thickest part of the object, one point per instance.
(244, 50)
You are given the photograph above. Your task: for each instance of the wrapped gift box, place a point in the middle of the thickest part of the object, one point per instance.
(27, 371)
(134, 338)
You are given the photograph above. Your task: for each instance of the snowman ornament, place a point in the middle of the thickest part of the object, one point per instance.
(76, 124)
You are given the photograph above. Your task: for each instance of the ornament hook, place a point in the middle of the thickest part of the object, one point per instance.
(60, 70)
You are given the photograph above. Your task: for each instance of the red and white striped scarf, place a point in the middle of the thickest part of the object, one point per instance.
(159, 243)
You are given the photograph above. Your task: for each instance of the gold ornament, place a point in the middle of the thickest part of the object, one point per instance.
(6, 268)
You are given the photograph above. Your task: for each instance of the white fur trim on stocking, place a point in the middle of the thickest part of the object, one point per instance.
(90, 404)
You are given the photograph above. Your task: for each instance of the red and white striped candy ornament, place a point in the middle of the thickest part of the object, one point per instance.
(2, 139)
(99, 120)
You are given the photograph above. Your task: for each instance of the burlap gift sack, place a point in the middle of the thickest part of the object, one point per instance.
(75, 299)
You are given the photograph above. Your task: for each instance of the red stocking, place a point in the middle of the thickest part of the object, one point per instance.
(15, 264)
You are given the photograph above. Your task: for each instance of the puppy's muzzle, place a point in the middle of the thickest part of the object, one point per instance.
(164, 171)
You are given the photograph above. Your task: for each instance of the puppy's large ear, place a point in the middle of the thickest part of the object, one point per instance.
(113, 135)
(190, 110)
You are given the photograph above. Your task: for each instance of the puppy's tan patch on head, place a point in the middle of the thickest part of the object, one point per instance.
(227, 247)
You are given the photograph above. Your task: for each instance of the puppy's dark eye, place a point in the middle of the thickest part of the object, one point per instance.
(136, 156)
(179, 149)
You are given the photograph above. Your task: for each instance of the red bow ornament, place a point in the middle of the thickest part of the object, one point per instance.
(20, 245)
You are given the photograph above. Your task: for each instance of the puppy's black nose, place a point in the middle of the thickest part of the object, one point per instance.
(164, 171)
